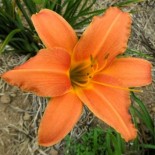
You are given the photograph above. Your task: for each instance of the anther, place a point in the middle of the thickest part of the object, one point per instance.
(106, 56)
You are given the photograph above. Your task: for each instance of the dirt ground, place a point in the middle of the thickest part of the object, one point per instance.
(20, 112)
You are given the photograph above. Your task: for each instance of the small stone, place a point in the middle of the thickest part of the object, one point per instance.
(13, 95)
(150, 105)
(5, 99)
(26, 116)
(14, 90)
(153, 109)
(57, 146)
(53, 152)
(137, 120)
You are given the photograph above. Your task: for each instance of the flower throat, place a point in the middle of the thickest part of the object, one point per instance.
(82, 73)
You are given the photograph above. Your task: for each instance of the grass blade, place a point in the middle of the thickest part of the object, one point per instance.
(148, 146)
(127, 3)
(144, 114)
(7, 39)
(20, 6)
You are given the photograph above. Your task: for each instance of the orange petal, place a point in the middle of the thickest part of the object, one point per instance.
(110, 105)
(53, 30)
(105, 37)
(46, 74)
(59, 118)
(131, 72)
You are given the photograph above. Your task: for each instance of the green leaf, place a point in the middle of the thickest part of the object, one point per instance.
(148, 146)
(138, 53)
(127, 3)
(144, 114)
(37, 1)
(21, 7)
(31, 6)
(8, 38)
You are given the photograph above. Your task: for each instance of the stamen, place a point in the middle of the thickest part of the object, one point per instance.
(80, 84)
(92, 59)
(80, 68)
(97, 69)
(106, 56)
(117, 87)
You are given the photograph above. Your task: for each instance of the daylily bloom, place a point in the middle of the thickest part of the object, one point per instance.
(88, 71)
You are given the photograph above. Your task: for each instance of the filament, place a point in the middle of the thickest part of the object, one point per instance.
(117, 87)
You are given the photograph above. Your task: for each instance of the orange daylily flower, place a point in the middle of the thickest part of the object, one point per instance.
(81, 72)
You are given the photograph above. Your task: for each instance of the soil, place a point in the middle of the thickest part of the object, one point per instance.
(21, 111)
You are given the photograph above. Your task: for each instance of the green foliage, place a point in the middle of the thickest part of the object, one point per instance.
(11, 22)
(143, 114)
(137, 54)
(127, 3)
(78, 13)
(8, 38)
(96, 142)
(144, 143)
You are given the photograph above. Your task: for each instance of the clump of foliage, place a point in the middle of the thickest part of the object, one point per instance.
(16, 28)
(96, 141)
